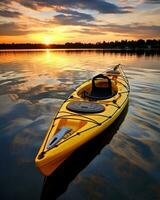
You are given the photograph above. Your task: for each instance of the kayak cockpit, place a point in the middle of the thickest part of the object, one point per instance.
(99, 88)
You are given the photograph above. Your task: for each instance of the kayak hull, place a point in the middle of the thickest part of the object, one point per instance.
(83, 126)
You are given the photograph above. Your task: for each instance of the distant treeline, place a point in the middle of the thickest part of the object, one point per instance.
(117, 45)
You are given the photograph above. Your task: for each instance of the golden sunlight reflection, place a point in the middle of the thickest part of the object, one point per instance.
(50, 59)
(48, 55)
(51, 72)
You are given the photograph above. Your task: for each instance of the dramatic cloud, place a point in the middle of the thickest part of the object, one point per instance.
(7, 13)
(71, 17)
(99, 5)
(78, 15)
(105, 7)
(154, 11)
(152, 1)
(59, 20)
(12, 29)
(134, 2)
(135, 29)
(91, 31)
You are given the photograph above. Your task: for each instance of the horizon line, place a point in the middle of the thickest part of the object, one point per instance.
(78, 42)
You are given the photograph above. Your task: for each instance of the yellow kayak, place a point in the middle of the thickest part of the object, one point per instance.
(90, 109)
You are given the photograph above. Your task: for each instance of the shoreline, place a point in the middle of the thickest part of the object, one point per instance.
(77, 49)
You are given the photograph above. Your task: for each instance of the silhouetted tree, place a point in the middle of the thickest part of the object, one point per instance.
(116, 45)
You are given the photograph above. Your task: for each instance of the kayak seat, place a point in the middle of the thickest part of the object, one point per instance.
(101, 91)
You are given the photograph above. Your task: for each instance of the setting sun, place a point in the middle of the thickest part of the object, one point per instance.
(47, 40)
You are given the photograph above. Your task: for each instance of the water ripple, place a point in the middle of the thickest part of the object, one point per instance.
(33, 85)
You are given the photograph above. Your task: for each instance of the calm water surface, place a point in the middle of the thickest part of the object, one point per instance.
(123, 162)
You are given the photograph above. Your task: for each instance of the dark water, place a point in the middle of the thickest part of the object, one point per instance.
(123, 162)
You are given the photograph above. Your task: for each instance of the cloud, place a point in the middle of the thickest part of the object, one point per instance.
(7, 13)
(152, 1)
(12, 29)
(91, 31)
(87, 28)
(135, 29)
(132, 28)
(106, 7)
(71, 17)
(4, 2)
(152, 12)
(99, 5)
(78, 15)
(137, 2)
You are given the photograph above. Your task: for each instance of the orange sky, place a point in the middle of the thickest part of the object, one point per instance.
(48, 21)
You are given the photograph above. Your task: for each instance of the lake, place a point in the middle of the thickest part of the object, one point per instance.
(122, 163)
